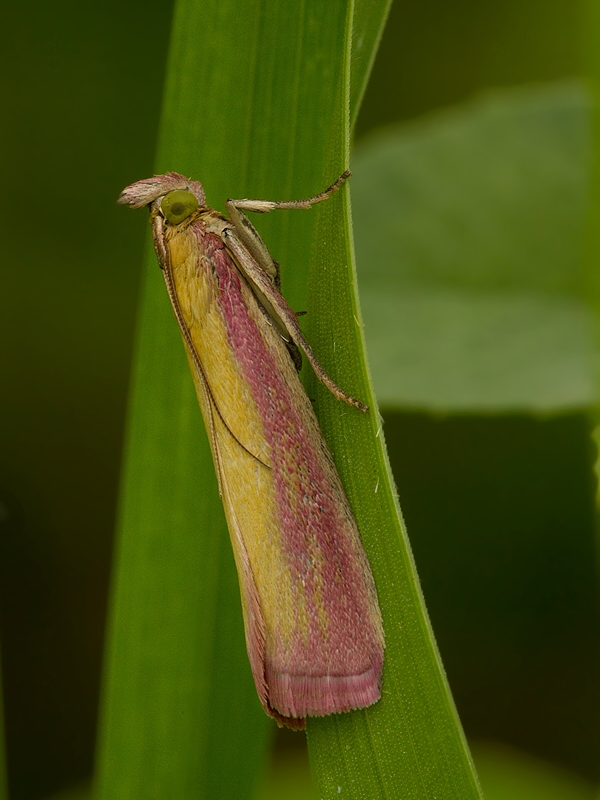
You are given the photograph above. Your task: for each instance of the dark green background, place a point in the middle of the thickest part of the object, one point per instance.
(513, 607)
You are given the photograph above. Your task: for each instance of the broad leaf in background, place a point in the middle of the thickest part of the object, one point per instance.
(469, 232)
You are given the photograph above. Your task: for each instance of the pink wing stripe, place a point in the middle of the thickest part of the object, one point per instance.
(337, 669)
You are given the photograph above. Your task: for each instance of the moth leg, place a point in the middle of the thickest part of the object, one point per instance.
(252, 241)
(294, 352)
(251, 238)
(264, 206)
(282, 315)
(262, 271)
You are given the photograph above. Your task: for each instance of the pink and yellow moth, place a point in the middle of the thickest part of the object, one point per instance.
(312, 621)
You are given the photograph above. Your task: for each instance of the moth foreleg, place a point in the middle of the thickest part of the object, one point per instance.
(281, 314)
(251, 238)
(264, 206)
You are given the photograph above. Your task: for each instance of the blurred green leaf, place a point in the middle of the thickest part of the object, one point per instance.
(591, 68)
(469, 231)
(509, 774)
(368, 21)
(3, 780)
(82, 791)
(288, 778)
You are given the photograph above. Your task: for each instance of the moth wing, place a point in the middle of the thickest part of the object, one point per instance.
(313, 628)
(235, 466)
(281, 314)
(262, 286)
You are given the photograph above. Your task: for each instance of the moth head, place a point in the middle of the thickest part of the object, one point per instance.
(178, 205)
(149, 191)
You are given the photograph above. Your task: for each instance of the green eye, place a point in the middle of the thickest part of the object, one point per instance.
(177, 206)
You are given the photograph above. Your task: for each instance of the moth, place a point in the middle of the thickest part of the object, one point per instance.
(312, 622)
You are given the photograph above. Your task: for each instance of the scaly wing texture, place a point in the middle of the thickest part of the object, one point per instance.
(313, 627)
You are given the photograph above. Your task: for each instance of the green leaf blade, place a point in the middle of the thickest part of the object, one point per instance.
(410, 743)
(469, 232)
(260, 109)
